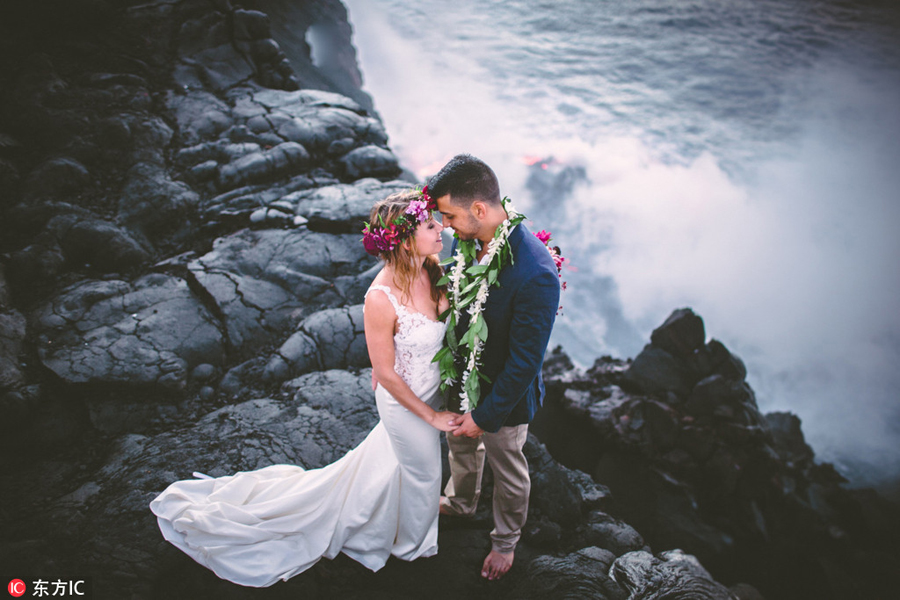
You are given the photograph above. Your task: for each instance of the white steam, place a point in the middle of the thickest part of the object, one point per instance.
(794, 266)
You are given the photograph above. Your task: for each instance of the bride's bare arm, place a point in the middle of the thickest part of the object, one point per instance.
(380, 320)
(443, 304)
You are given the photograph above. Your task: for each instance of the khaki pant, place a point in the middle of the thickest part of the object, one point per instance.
(512, 484)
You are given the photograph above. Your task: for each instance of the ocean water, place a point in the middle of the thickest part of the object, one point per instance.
(740, 158)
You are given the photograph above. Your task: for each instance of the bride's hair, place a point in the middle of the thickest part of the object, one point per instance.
(404, 258)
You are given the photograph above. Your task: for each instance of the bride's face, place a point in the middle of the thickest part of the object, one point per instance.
(428, 237)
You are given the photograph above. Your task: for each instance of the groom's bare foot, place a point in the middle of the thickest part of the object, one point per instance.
(496, 565)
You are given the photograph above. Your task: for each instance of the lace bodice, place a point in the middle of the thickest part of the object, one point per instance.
(417, 340)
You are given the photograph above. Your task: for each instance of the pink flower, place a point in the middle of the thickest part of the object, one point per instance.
(419, 208)
(371, 245)
(543, 235)
(372, 241)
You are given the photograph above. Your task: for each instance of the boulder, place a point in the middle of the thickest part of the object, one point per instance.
(208, 54)
(681, 334)
(370, 161)
(263, 282)
(329, 339)
(348, 397)
(316, 119)
(151, 202)
(580, 574)
(788, 439)
(250, 24)
(100, 244)
(672, 575)
(39, 262)
(56, 178)
(655, 371)
(69, 238)
(240, 204)
(149, 332)
(725, 398)
(565, 495)
(284, 160)
(219, 151)
(724, 362)
(614, 535)
(200, 116)
(677, 358)
(150, 137)
(343, 208)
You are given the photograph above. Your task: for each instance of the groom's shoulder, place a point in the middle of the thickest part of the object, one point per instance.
(531, 252)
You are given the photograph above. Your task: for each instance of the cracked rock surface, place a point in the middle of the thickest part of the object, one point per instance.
(263, 281)
(344, 207)
(673, 575)
(329, 339)
(150, 331)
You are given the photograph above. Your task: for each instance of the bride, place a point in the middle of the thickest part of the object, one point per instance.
(381, 498)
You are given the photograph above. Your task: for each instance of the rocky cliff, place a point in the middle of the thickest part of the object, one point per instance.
(183, 183)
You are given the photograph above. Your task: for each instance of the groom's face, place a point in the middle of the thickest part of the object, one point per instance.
(459, 218)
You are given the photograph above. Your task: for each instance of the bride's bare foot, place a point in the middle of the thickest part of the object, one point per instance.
(496, 565)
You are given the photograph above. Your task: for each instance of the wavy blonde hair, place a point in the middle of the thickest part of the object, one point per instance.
(404, 258)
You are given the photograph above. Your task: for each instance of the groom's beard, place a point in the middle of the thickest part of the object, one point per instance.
(469, 231)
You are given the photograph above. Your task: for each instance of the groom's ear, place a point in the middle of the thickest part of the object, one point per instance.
(479, 209)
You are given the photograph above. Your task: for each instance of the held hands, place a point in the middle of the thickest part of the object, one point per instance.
(466, 425)
(444, 420)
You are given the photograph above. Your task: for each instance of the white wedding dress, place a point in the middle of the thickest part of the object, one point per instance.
(380, 499)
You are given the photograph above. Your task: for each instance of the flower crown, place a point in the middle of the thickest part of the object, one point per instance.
(384, 237)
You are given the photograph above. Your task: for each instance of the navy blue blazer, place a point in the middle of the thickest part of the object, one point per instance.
(519, 314)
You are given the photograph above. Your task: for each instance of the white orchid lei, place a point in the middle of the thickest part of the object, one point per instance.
(468, 288)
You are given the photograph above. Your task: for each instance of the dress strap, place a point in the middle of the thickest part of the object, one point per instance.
(394, 302)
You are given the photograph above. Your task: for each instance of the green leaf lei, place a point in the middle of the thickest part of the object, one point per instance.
(468, 285)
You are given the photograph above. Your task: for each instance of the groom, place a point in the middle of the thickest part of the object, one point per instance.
(519, 313)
